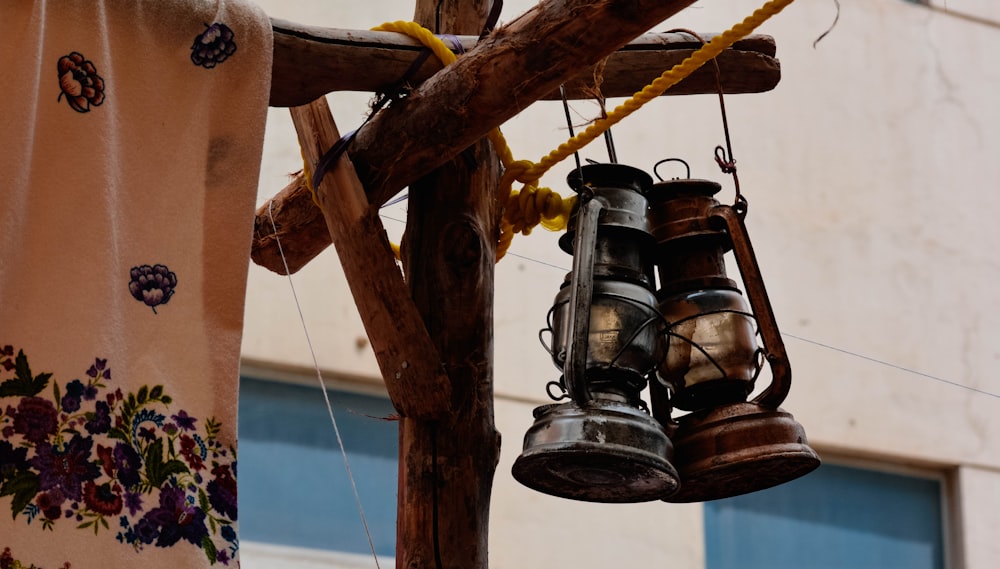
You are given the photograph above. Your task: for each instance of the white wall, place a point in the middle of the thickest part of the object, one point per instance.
(870, 172)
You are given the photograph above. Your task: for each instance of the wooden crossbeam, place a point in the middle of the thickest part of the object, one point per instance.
(516, 65)
(310, 62)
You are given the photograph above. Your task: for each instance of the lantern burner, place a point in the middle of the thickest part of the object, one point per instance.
(736, 449)
(606, 451)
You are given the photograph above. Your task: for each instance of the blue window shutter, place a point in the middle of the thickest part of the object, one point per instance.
(293, 489)
(838, 517)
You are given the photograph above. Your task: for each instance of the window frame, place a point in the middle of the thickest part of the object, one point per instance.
(945, 474)
(277, 556)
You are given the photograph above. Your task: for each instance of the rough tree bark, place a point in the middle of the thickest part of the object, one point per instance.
(310, 62)
(446, 467)
(407, 357)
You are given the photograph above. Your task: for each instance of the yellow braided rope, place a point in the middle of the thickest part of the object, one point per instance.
(534, 205)
(307, 178)
(665, 81)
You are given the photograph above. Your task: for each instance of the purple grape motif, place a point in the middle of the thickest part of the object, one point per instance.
(213, 46)
(152, 286)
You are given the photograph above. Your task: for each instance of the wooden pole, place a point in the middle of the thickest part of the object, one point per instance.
(446, 467)
(510, 69)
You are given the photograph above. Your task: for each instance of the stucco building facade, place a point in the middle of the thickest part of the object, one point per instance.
(869, 172)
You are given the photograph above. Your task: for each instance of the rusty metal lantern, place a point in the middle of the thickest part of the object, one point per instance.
(726, 445)
(602, 445)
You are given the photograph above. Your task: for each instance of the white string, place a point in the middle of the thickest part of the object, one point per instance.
(322, 384)
(892, 365)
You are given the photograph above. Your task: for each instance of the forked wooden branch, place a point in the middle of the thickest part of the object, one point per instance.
(408, 360)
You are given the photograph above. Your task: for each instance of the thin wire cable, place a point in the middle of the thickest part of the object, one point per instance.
(807, 340)
(540, 262)
(892, 365)
(820, 344)
(326, 397)
(836, 349)
(569, 124)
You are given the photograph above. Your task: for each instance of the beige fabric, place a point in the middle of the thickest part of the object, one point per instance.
(130, 143)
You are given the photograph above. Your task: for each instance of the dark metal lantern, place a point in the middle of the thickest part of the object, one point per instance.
(602, 445)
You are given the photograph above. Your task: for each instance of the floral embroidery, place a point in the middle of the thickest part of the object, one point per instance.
(213, 46)
(94, 456)
(152, 286)
(7, 561)
(79, 82)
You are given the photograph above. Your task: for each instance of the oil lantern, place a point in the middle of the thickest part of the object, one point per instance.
(601, 444)
(728, 444)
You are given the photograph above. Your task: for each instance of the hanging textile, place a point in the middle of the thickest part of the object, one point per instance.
(130, 142)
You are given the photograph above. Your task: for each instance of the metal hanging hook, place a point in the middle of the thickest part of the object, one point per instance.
(723, 157)
(569, 125)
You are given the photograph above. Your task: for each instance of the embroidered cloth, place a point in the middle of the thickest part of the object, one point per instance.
(130, 143)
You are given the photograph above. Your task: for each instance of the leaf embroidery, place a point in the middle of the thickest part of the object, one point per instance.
(24, 383)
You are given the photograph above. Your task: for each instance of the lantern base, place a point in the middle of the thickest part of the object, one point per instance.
(737, 449)
(604, 452)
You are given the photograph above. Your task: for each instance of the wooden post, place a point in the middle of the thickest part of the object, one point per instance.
(446, 467)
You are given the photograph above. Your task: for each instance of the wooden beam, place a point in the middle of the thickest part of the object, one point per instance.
(505, 72)
(446, 467)
(298, 223)
(409, 361)
(310, 62)
(508, 70)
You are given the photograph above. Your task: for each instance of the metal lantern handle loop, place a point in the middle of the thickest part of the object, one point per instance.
(687, 167)
(774, 347)
(581, 295)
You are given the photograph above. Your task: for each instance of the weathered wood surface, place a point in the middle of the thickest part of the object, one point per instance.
(446, 467)
(310, 62)
(298, 223)
(409, 361)
(507, 71)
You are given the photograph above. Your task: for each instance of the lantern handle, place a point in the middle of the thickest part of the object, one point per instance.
(581, 294)
(774, 346)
